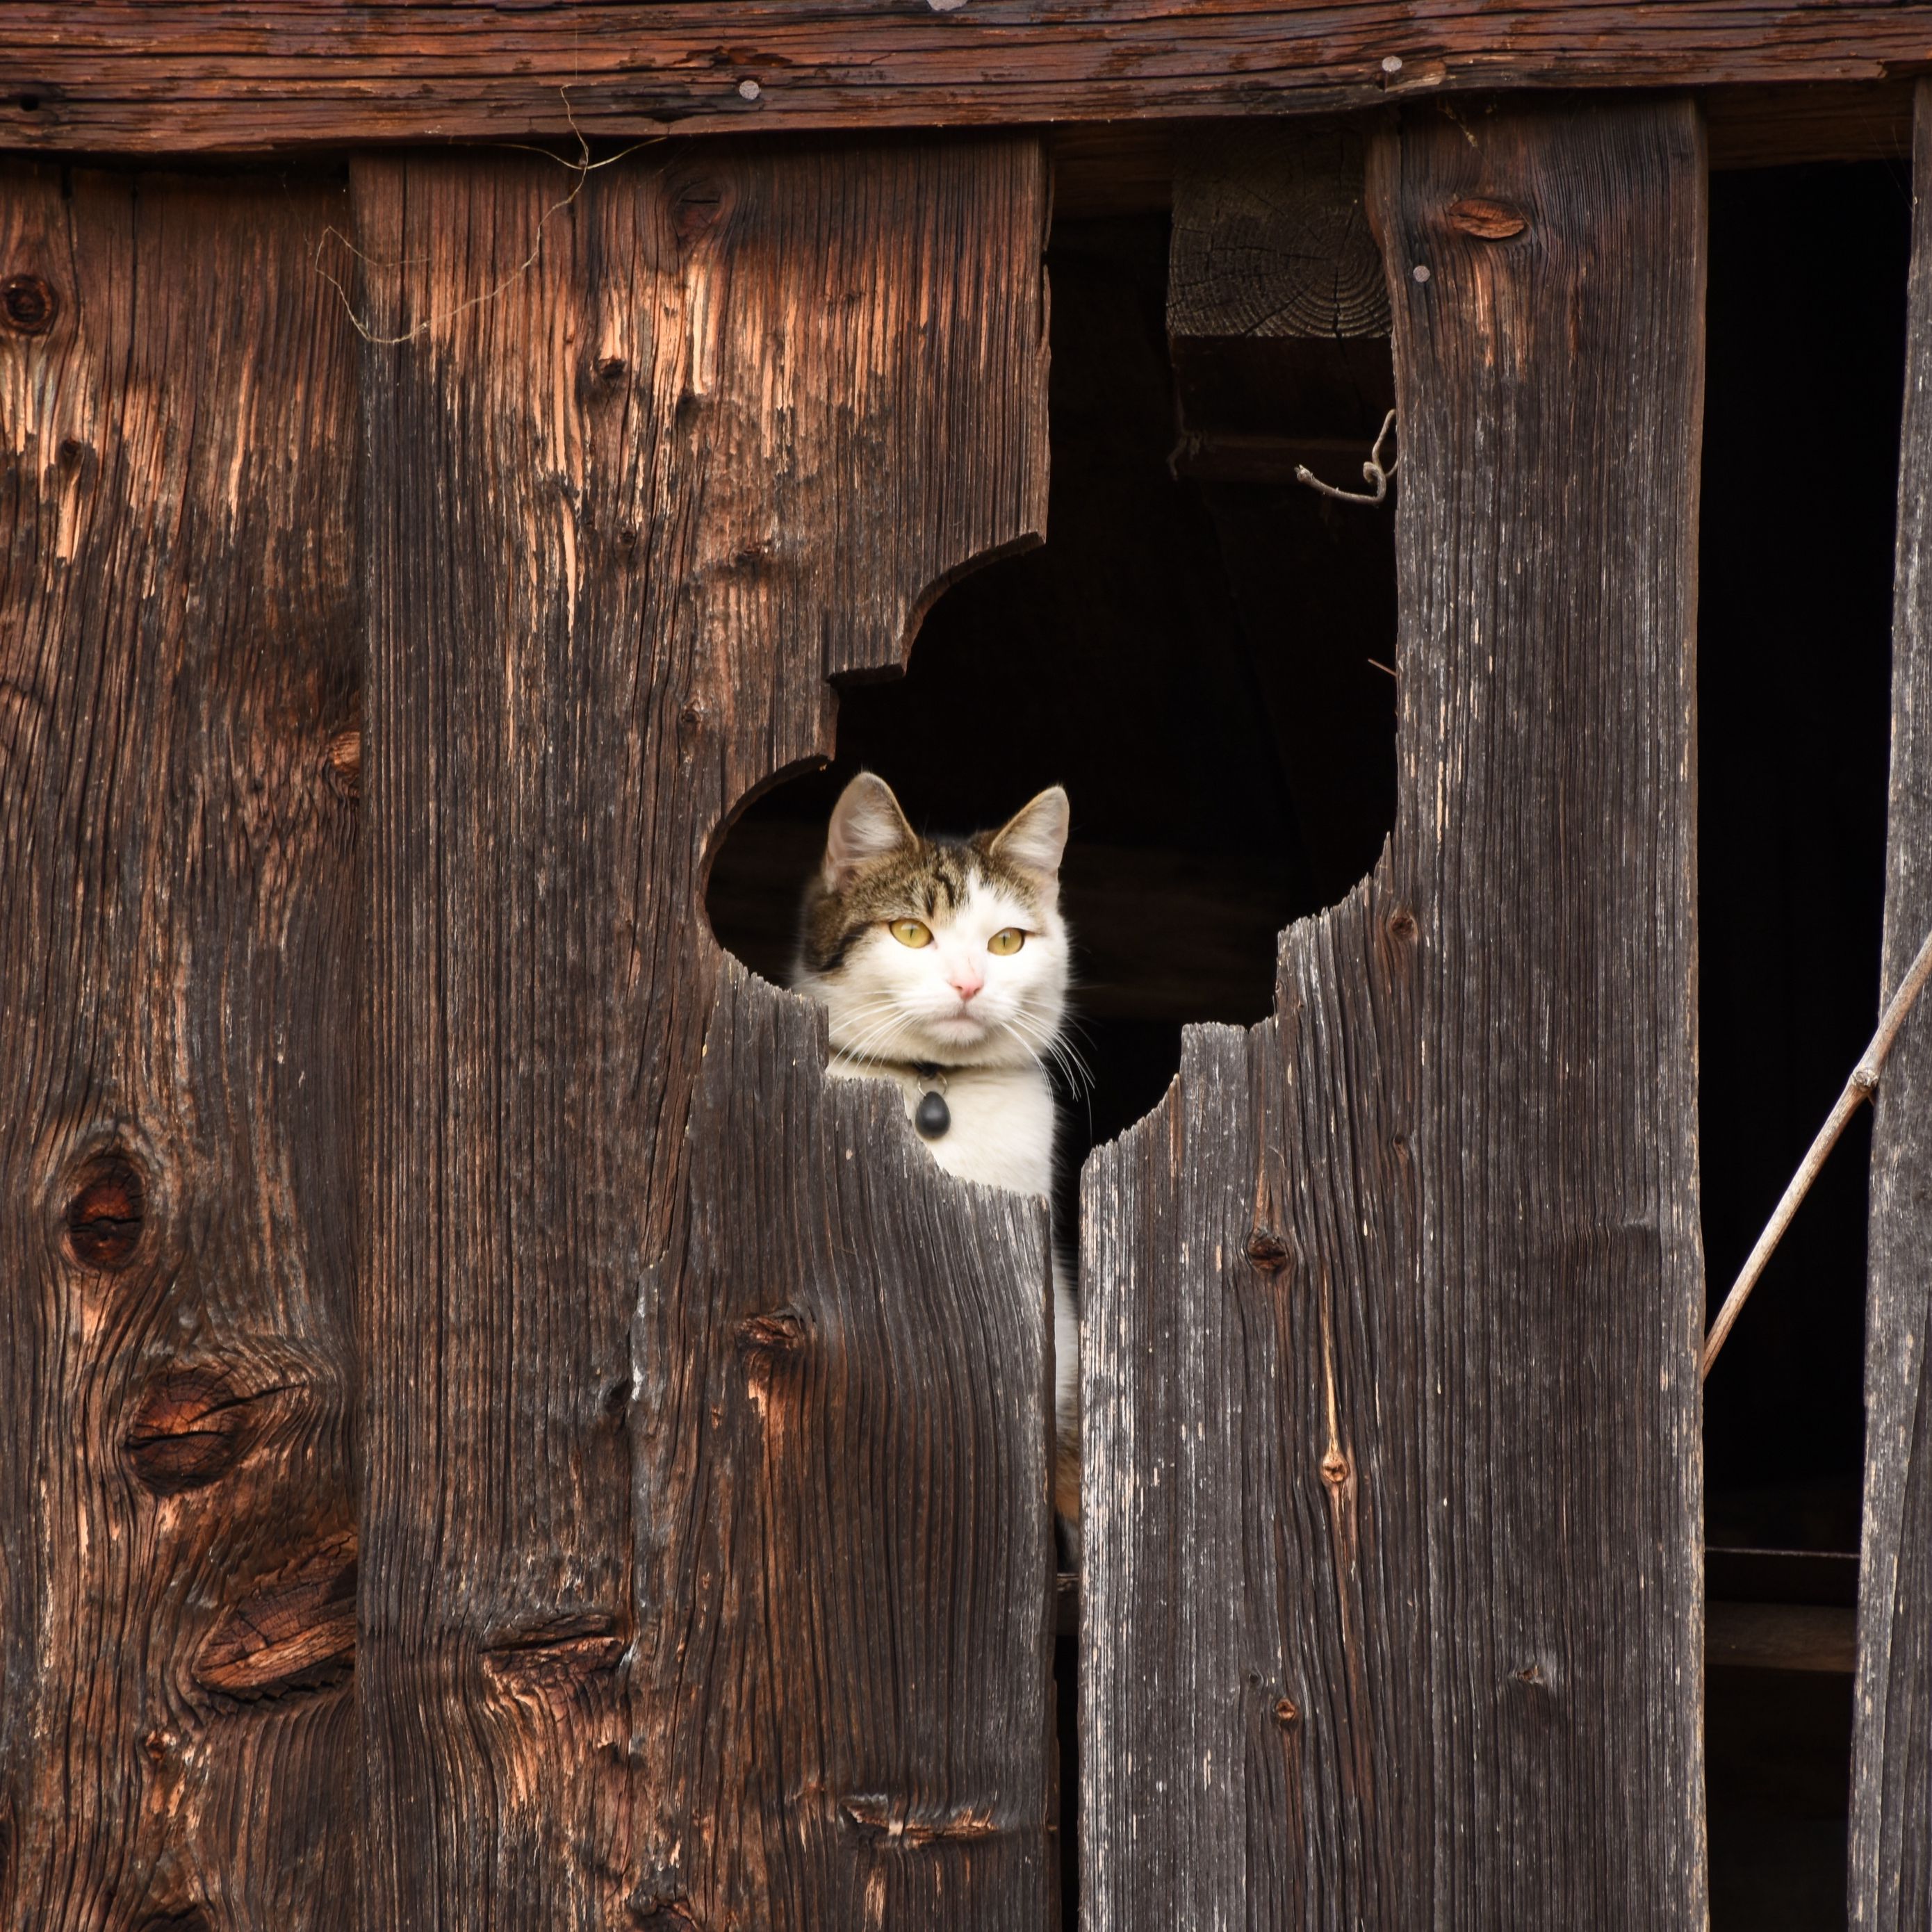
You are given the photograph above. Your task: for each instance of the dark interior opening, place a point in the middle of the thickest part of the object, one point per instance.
(1806, 352)
(1188, 653)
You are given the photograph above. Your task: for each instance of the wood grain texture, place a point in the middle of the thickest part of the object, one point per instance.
(178, 652)
(707, 1548)
(1891, 1871)
(143, 76)
(1271, 238)
(1393, 1469)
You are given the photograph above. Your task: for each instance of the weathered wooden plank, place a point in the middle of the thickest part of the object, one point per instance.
(1891, 1870)
(178, 660)
(101, 76)
(1392, 1307)
(707, 1542)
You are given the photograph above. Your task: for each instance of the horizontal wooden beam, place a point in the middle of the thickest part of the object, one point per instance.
(1781, 1636)
(242, 76)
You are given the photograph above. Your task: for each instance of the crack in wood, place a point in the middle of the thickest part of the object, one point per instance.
(901, 1821)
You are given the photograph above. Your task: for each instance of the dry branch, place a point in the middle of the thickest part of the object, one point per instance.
(1858, 1089)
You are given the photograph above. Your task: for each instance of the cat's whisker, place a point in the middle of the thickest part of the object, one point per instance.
(871, 1026)
(873, 1036)
(1031, 1029)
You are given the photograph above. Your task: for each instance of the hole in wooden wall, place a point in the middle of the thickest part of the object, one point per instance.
(1805, 354)
(1188, 654)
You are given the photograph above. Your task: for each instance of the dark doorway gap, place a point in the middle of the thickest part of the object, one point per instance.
(1805, 357)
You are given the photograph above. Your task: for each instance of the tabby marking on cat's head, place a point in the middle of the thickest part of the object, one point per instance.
(946, 952)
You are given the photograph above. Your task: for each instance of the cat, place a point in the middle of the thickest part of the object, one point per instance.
(942, 965)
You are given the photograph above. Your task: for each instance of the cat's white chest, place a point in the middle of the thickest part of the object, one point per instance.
(1001, 1131)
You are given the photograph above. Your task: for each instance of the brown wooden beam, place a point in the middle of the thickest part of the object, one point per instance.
(1781, 1636)
(234, 76)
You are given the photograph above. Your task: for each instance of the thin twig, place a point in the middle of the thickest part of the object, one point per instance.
(582, 168)
(1373, 473)
(1860, 1088)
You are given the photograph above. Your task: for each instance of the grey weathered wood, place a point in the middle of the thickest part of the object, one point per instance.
(707, 1540)
(1891, 1870)
(1270, 235)
(1394, 1612)
(178, 660)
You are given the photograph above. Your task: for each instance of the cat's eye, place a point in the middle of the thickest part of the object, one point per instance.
(1008, 939)
(912, 932)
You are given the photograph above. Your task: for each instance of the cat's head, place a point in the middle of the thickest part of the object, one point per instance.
(935, 950)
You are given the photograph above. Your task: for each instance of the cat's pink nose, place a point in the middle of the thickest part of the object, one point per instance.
(964, 987)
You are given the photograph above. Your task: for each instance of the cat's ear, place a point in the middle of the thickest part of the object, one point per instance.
(866, 824)
(1034, 838)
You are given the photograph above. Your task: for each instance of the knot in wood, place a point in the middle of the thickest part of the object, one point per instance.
(190, 1428)
(293, 1629)
(1269, 1251)
(554, 1658)
(1488, 221)
(106, 1212)
(343, 758)
(696, 208)
(1335, 1469)
(28, 304)
(1288, 1713)
(1401, 926)
(781, 1332)
(611, 368)
(659, 1914)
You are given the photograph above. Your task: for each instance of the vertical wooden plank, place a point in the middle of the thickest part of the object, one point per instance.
(178, 647)
(706, 1535)
(1891, 1870)
(1393, 1461)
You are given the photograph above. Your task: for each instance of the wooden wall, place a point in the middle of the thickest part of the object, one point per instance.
(490, 1438)
(487, 1437)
